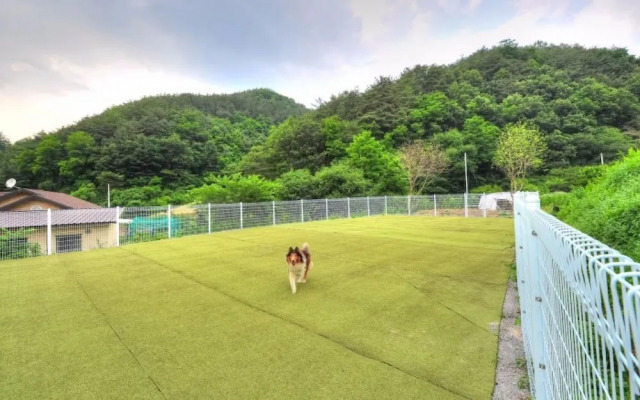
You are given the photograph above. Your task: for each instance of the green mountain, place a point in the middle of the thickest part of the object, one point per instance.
(584, 101)
(171, 139)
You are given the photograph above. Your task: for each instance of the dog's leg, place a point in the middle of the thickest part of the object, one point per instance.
(292, 281)
(306, 271)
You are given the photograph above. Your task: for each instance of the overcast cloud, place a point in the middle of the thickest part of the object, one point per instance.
(65, 59)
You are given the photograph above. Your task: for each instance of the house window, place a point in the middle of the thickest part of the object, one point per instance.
(17, 242)
(67, 243)
(36, 208)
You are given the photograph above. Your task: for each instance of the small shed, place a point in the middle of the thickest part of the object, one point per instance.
(496, 201)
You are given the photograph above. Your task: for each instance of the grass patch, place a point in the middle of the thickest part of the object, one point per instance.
(396, 307)
(523, 382)
(513, 272)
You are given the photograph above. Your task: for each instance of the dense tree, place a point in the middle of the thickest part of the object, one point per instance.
(298, 184)
(234, 188)
(380, 165)
(342, 180)
(5, 145)
(584, 102)
(436, 113)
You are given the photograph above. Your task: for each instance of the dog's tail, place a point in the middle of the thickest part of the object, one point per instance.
(305, 247)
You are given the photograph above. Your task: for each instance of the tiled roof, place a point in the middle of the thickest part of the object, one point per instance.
(63, 200)
(23, 219)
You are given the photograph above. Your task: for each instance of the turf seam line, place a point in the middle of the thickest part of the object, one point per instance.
(360, 234)
(365, 263)
(447, 307)
(106, 320)
(401, 278)
(298, 325)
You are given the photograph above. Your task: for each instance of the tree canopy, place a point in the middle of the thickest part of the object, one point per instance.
(584, 102)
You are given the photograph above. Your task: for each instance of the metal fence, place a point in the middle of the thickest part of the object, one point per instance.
(35, 233)
(580, 304)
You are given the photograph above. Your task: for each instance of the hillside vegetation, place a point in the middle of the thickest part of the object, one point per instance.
(259, 145)
(608, 208)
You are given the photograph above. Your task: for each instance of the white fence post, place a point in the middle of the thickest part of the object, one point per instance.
(368, 208)
(241, 217)
(409, 205)
(484, 208)
(385, 205)
(301, 210)
(169, 220)
(348, 207)
(435, 205)
(326, 204)
(466, 205)
(49, 242)
(209, 217)
(117, 226)
(531, 276)
(273, 210)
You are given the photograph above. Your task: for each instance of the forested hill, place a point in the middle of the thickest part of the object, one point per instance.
(172, 138)
(584, 101)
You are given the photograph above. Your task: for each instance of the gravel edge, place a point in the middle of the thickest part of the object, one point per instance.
(510, 348)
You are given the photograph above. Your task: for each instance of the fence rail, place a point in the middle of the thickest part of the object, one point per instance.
(580, 304)
(35, 233)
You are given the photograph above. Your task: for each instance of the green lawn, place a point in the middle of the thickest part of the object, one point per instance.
(396, 308)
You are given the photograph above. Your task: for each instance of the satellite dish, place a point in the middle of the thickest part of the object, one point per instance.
(10, 183)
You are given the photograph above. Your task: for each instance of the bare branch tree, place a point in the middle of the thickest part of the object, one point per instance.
(424, 163)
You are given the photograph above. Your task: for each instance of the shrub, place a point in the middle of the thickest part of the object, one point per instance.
(342, 180)
(298, 184)
(489, 188)
(14, 244)
(235, 188)
(553, 202)
(609, 207)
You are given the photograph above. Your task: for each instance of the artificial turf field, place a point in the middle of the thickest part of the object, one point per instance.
(396, 307)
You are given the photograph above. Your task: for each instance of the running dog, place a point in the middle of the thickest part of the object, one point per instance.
(299, 264)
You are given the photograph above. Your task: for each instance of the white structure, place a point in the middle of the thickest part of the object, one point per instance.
(496, 201)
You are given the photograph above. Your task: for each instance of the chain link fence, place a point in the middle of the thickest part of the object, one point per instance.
(36, 233)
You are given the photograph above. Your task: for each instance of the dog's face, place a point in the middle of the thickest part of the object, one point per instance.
(294, 256)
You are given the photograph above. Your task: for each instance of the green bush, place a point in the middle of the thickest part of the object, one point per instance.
(342, 180)
(14, 244)
(553, 202)
(298, 184)
(609, 207)
(233, 189)
(540, 187)
(566, 179)
(489, 188)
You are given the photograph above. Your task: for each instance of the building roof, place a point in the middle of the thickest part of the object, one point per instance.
(61, 200)
(25, 219)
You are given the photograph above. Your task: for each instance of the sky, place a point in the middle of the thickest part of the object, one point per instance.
(64, 60)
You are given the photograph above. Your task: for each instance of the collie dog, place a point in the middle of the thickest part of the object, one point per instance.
(299, 263)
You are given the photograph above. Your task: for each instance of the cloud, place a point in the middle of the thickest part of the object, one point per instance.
(215, 39)
(424, 38)
(66, 48)
(67, 59)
